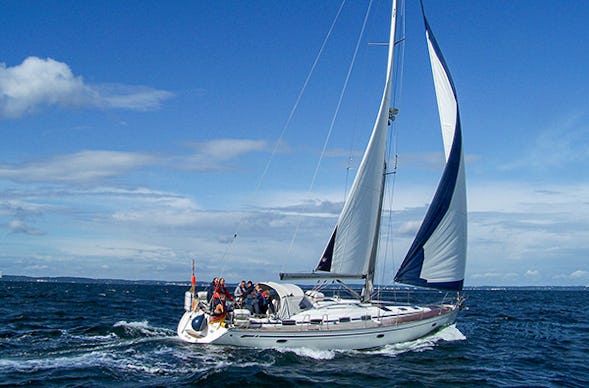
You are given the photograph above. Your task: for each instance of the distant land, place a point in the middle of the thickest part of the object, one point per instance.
(82, 280)
(71, 279)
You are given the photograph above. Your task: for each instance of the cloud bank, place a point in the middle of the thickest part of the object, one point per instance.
(91, 166)
(38, 83)
(80, 167)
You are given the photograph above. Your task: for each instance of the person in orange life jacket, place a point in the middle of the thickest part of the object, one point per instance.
(221, 289)
(219, 310)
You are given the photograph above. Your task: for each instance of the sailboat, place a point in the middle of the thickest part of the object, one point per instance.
(435, 260)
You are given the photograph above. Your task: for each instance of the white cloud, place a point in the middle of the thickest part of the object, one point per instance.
(89, 166)
(36, 267)
(20, 213)
(580, 274)
(494, 275)
(230, 148)
(532, 272)
(112, 249)
(80, 167)
(566, 142)
(19, 226)
(38, 83)
(140, 98)
(409, 228)
(211, 155)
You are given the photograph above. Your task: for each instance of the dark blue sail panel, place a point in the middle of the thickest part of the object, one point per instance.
(326, 258)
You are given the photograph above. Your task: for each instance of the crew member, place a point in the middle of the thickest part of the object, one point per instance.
(219, 310)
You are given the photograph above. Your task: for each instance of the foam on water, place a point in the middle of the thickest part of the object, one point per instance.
(143, 329)
(448, 334)
(310, 353)
(159, 361)
(84, 360)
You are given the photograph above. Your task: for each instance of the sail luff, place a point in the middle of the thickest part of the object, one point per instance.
(437, 256)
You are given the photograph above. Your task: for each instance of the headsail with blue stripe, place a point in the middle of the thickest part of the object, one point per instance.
(437, 256)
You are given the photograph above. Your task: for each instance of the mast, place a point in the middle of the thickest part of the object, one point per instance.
(382, 121)
(352, 248)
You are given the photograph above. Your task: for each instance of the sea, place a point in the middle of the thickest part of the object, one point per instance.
(93, 334)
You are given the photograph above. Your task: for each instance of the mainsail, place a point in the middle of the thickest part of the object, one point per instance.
(437, 256)
(351, 250)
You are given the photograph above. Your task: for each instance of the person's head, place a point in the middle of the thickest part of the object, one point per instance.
(249, 283)
(215, 280)
(242, 283)
(222, 281)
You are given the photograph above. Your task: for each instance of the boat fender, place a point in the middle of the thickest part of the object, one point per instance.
(188, 301)
(198, 323)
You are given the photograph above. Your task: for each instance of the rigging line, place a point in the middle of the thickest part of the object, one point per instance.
(287, 124)
(341, 97)
(351, 154)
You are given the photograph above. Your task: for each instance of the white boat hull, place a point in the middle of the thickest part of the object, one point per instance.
(372, 333)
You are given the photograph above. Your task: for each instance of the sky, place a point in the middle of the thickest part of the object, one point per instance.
(140, 135)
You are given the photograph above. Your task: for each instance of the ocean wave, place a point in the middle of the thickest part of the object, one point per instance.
(162, 360)
(84, 360)
(135, 329)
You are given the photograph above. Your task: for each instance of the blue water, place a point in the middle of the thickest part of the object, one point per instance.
(63, 334)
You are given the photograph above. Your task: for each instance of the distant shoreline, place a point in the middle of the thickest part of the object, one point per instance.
(83, 280)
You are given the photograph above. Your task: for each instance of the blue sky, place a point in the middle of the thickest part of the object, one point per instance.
(135, 135)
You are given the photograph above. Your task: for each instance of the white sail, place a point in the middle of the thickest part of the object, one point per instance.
(438, 255)
(351, 250)
(353, 245)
